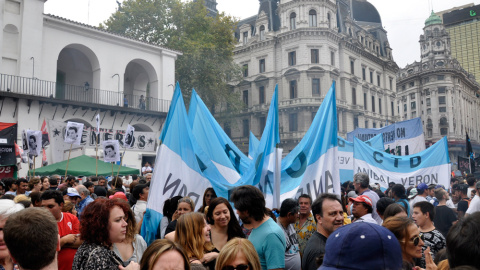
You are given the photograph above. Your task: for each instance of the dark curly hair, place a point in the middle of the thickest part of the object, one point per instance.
(95, 220)
(234, 229)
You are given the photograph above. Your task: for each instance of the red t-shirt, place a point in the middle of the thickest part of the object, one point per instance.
(69, 224)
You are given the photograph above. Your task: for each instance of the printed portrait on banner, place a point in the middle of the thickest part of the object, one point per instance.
(34, 142)
(111, 151)
(129, 138)
(73, 133)
(25, 140)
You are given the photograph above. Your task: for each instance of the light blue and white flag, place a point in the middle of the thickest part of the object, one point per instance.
(431, 166)
(216, 144)
(345, 155)
(182, 168)
(264, 163)
(405, 137)
(312, 167)
(253, 143)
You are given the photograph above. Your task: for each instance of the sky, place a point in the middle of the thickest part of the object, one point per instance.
(403, 20)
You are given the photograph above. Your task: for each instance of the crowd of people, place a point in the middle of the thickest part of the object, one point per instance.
(93, 223)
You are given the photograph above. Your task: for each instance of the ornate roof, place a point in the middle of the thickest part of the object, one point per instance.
(433, 19)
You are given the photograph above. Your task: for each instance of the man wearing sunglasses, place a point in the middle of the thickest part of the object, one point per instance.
(423, 215)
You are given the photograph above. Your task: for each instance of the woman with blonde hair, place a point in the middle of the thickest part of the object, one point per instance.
(164, 253)
(239, 254)
(184, 205)
(193, 235)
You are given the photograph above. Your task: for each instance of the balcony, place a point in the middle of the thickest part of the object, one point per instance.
(78, 94)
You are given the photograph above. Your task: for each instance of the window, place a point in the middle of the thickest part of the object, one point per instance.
(245, 70)
(442, 109)
(405, 107)
(261, 123)
(371, 76)
(261, 65)
(246, 128)
(373, 103)
(332, 58)
(442, 100)
(292, 122)
(354, 96)
(312, 18)
(262, 32)
(428, 102)
(429, 132)
(443, 131)
(413, 105)
(292, 59)
(374, 125)
(442, 90)
(293, 17)
(380, 106)
(366, 123)
(352, 67)
(391, 84)
(429, 111)
(314, 56)
(427, 92)
(378, 80)
(414, 114)
(226, 128)
(426, 80)
(293, 89)
(245, 38)
(365, 101)
(412, 96)
(411, 84)
(245, 97)
(329, 20)
(392, 108)
(315, 87)
(261, 95)
(403, 87)
(355, 122)
(440, 77)
(364, 72)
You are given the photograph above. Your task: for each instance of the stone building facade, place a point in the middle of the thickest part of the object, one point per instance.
(440, 91)
(303, 45)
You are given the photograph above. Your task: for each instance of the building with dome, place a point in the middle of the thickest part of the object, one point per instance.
(303, 46)
(440, 91)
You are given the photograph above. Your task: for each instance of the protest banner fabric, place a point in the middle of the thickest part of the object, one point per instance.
(431, 166)
(253, 143)
(345, 156)
(312, 167)
(405, 137)
(216, 144)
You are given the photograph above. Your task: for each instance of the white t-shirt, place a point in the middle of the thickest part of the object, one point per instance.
(145, 169)
(415, 200)
(474, 205)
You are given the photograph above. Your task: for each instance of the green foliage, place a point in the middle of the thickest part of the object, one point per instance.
(206, 43)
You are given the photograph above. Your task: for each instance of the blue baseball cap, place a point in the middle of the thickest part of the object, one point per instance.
(422, 186)
(362, 245)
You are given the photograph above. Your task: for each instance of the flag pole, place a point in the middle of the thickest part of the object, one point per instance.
(121, 160)
(112, 170)
(96, 155)
(34, 165)
(68, 160)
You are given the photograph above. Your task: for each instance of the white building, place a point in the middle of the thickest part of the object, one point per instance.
(440, 91)
(55, 69)
(303, 46)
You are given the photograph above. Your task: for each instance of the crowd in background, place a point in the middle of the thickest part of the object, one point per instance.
(94, 223)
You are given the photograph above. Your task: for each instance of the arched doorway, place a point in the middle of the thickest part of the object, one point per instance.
(141, 85)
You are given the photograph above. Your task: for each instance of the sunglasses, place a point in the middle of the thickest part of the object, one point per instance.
(238, 267)
(416, 239)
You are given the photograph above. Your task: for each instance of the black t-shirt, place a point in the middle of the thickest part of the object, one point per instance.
(171, 227)
(463, 205)
(444, 216)
(315, 248)
(436, 241)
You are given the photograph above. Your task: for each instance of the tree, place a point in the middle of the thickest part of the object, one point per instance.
(206, 43)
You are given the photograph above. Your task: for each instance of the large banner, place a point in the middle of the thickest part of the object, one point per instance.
(185, 169)
(431, 166)
(405, 138)
(144, 141)
(312, 167)
(8, 135)
(345, 156)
